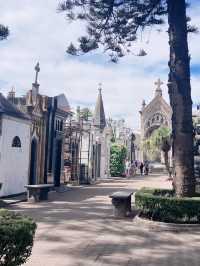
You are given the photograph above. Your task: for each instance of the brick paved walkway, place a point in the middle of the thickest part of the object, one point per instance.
(76, 228)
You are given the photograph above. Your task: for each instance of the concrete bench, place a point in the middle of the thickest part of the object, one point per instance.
(39, 191)
(121, 201)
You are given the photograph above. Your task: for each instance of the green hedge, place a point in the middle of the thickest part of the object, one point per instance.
(117, 159)
(162, 205)
(16, 238)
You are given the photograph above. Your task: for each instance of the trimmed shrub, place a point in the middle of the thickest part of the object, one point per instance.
(162, 205)
(16, 238)
(117, 159)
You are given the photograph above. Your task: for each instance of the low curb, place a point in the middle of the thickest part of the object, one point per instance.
(165, 226)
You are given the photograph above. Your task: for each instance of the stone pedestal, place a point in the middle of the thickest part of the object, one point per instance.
(122, 204)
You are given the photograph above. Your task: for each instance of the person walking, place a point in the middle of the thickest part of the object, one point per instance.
(128, 166)
(132, 169)
(141, 168)
(146, 168)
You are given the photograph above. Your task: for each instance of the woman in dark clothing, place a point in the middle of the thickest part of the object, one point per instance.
(141, 168)
(146, 168)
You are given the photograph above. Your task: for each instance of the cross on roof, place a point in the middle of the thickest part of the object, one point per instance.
(100, 87)
(158, 83)
(37, 70)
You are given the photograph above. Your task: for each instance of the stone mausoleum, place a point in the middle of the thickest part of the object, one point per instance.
(154, 115)
(48, 116)
(87, 146)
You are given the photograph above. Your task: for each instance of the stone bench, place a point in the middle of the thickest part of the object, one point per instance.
(39, 191)
(121, 201)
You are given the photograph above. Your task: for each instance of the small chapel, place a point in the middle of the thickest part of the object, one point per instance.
(155, 114)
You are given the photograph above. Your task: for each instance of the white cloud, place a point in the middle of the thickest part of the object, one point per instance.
(38, 32)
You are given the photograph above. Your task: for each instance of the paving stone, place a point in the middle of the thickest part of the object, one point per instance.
(77, 228)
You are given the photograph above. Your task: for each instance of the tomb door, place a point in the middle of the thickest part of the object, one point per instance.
(57, 171)
(33, 165)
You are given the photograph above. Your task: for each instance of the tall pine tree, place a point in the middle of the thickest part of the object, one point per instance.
(114, 24)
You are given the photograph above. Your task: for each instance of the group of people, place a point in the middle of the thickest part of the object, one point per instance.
(144, 168)
(132, 167)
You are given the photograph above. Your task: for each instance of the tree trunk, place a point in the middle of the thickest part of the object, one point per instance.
(180, 99)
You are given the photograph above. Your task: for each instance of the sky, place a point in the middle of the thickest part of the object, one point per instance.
(39, 33)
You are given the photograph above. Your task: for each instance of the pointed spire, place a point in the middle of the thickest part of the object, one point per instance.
(35, 85)
(78, 113)
(99, 119)
(158, 91)
(11, 95)
(100, 87)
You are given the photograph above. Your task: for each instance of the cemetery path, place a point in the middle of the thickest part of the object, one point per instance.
(77, 228)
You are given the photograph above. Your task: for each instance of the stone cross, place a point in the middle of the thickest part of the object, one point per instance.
(37, 70)
(100, 87)
(158, 83)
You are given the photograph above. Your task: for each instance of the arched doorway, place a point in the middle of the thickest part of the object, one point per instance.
(57, 170)
(33, 166)
(150, 131)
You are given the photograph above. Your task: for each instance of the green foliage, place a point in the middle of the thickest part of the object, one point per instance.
(85, 113)
(113, 140)
(113, 24)
(16, 238)
(4, 32)
(157, 142)
(117, 160)
(162, 205)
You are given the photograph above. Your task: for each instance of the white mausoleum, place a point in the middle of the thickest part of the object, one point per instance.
(14, 148)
